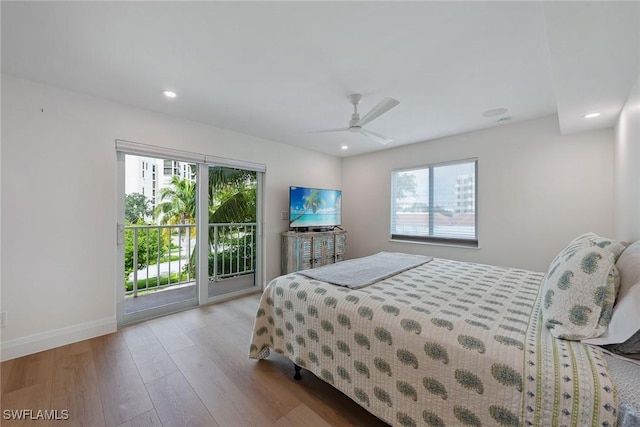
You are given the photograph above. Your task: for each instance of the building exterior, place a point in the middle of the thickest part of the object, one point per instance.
(465, 194)
(147, 176)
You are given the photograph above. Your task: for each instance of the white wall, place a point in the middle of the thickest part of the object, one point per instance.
(59, 203)
(536, 191)
(627, 168)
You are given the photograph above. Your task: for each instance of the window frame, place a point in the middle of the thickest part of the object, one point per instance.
(431, 239)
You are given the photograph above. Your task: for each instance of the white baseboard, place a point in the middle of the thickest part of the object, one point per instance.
(46, 340)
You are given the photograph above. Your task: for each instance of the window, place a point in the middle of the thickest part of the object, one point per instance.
(436, 203)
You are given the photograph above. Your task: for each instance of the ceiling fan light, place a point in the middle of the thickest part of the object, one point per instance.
(356, 124)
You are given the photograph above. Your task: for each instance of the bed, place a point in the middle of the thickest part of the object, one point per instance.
(443, 343)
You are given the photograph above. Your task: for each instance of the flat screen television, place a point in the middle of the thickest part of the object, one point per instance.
(314, 208)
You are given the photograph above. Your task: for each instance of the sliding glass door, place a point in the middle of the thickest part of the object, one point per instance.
(188, 230)
(232, 231)
(159, 236)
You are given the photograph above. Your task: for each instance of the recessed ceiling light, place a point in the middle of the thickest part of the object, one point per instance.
(344, 147)
(591, 115)
(169, 93)
(494, 112)
(503, 120)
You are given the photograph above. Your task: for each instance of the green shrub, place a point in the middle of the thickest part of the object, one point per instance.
(227, 259)
(150, 241)
(154, 282)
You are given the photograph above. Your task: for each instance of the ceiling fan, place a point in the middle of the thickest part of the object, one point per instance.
(356, 123)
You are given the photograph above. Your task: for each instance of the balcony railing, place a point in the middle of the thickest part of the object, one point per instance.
(162, 256)
(231, 250)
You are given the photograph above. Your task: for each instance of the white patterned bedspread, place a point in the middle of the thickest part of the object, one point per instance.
(443, 344)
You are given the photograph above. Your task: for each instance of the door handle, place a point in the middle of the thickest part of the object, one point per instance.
(120, 234)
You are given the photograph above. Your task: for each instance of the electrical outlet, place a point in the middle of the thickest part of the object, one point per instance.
(3, 319)
(284, 215)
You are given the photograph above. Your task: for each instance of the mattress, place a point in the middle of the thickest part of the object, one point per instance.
(444, 343)
(626, 375)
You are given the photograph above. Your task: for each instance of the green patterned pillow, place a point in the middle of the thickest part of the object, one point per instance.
(579, 291)
(611, 245)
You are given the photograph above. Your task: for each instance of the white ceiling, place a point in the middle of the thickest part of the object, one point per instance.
(278, 69)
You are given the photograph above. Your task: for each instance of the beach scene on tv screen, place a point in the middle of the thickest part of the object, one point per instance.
(313, 207)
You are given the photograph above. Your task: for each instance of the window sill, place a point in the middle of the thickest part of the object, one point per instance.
(422, 242)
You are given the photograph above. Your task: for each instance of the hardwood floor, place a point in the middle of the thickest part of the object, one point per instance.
(185, 369)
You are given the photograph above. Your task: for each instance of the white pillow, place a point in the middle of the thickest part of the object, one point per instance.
(625, 320)
(629, 268)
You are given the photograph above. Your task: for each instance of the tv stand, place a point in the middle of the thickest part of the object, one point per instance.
(302, 250)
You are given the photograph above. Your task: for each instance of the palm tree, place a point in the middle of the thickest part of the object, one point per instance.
(178, 206)
(232, 195)
(178, 202)
(313, 201)
(232, 199)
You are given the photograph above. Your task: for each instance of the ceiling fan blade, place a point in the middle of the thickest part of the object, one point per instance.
(326, 130)
(382, 107)
(375, 136)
